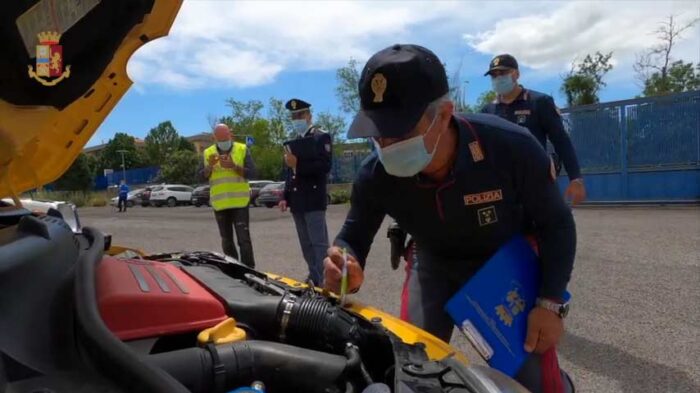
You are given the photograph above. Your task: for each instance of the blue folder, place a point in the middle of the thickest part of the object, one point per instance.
(492, 308)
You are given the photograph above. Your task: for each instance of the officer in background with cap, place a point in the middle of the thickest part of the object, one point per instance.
(535, 111)
(465, 184)
(305, 191)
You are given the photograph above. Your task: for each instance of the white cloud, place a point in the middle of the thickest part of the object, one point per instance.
(549, 41)
(249, 43)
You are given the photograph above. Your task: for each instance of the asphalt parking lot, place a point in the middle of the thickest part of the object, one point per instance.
(635, 319)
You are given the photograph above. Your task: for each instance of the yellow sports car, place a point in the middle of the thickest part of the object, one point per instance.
(78, 314)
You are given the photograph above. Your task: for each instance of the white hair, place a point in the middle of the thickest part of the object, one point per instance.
(435, 104)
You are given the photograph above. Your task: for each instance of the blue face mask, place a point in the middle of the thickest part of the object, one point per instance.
(299, 126)
(408, 157)
(503, 84)
(225, 145)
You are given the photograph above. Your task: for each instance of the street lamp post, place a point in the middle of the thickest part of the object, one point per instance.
(123, 164)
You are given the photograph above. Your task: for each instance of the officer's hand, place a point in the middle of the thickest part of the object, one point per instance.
(290, 159)
(576, 191)
(332, 271)
(283, 206)
(544, 329)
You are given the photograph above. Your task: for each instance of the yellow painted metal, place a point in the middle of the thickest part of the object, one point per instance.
(39, 143)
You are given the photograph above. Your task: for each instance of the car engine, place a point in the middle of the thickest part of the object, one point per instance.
(74, 319)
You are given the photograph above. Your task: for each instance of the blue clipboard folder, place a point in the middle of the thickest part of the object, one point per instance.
(492, 308)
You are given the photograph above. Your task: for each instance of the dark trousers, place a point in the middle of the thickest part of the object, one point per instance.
(122, 203)
(431, 282)
(238, 218)
(313, 238)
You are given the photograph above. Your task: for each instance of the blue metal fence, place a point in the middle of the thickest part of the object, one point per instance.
(137, 176)
(646, 149)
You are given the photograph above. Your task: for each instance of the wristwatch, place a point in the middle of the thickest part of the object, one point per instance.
(561, 309)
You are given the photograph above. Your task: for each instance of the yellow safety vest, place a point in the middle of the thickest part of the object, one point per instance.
(227, 189)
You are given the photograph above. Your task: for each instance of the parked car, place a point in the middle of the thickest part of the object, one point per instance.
(271, 194)
(133, 198)
(171, 195)
(66, 211)
(200, 196)
(255, 187)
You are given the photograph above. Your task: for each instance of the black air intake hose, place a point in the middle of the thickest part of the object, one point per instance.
(282, 368)
(316, 323)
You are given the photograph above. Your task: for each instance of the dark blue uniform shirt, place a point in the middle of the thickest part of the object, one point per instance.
(501, 182)
(306, 190)
(536, 111)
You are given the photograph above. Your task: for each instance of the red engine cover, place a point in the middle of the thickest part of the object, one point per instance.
(139, 299)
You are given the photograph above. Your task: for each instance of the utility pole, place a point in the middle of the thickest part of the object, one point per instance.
(123, 164)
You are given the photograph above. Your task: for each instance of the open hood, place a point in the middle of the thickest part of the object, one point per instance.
(62, 70)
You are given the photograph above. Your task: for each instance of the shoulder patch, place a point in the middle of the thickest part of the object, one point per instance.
(477, 153)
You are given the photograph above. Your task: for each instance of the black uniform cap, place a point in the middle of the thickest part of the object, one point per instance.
(502, 62)
(297, 105)
(396, 86)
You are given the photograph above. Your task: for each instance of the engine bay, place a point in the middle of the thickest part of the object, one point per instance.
(75, 319)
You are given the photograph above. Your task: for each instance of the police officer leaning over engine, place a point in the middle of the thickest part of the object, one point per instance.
(305, 191)
(467, 184)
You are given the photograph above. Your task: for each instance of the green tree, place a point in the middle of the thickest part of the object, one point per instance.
(184, 144)
(280, 121)
(658, 72)
(348, 78)
(78, 177)
(583, 83)
(181, 166)
(484, 99)
(111, 158)
(161, 141)
(333, 124)
(679, 78)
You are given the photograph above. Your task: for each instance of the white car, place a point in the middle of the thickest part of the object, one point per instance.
(171, 195)
(61, 209)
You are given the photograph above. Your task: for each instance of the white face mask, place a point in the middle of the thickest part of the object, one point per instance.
(225, 145)
(408, 157)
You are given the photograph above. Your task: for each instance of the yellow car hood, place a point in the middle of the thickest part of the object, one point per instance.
(43, 127)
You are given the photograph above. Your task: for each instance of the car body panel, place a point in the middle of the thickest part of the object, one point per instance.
(39, 143)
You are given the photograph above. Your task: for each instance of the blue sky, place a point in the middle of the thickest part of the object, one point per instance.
(257, 50)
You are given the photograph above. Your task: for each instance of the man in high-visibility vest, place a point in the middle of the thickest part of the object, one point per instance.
(228, 166)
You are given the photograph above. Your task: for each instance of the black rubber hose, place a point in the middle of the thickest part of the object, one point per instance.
(282, 368)
(317, 324)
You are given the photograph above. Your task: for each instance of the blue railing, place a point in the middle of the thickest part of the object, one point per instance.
(137, 176)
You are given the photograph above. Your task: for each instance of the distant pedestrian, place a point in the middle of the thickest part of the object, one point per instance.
(123, 195)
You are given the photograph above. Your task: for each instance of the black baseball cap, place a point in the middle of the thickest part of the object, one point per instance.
(396, 86)
(502, 62)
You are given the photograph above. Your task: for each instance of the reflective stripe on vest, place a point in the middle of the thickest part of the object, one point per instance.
(228, 189)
